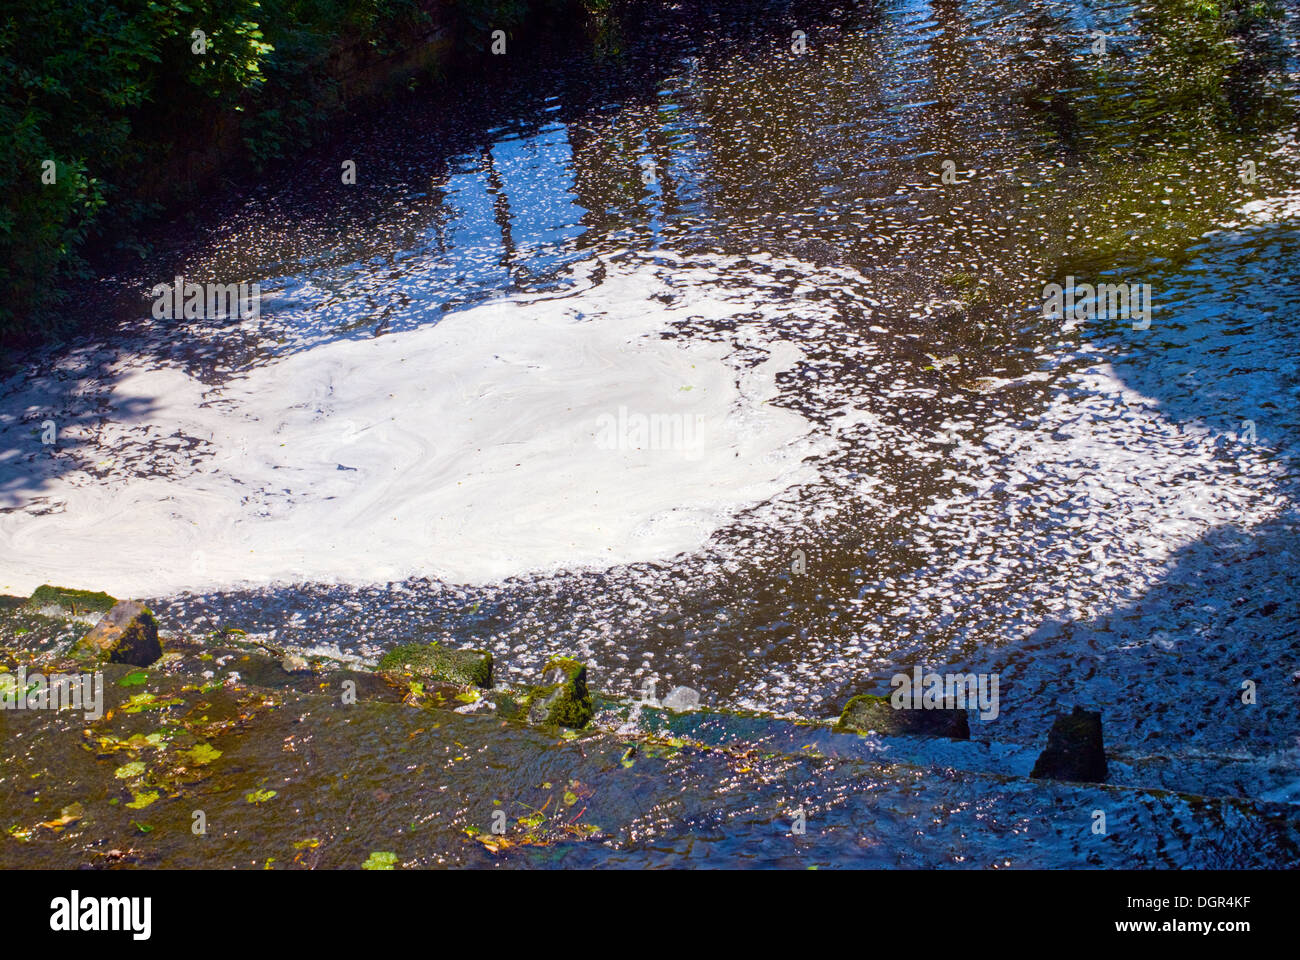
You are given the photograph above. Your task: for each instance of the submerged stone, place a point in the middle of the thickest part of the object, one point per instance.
(75, 602)
(946, 311)
(436, 663)
(562, 697)
(1074, 749)
(128, 633)
(681, 699)
(867, 714)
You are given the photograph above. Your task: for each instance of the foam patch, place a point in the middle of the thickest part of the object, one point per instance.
(520, 436)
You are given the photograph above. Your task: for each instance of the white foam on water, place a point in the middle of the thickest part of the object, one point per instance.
(515, 437)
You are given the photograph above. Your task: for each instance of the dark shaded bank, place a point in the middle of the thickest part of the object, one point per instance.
(114, 115)
(228, 753)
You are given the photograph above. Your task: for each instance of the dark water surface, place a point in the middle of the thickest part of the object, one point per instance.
(1083, 511)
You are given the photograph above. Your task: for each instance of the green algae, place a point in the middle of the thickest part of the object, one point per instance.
(380, 860)
(562, 698)
(76, 602)
(434, 662)
(867, 713)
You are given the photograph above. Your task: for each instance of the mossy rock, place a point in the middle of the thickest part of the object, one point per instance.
(1075, 750)
(432, 662)
(867, 713)
(75, 602)
(562, 698)
(128, 633)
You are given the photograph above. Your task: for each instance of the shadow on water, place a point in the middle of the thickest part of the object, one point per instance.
(1221, 361)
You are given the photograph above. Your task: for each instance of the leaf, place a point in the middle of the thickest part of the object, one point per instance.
(69, 814)
(133, 679)
(129, 770)
(259, 796)
(380, 860)
(143, 799)
(19, 833)
(147, 701)
(203, 753)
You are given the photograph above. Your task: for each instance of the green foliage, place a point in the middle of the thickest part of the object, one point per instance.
(74, 79)
(110, 90)
(486, 15)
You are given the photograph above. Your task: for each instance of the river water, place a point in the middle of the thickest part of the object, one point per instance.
(712, 361)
